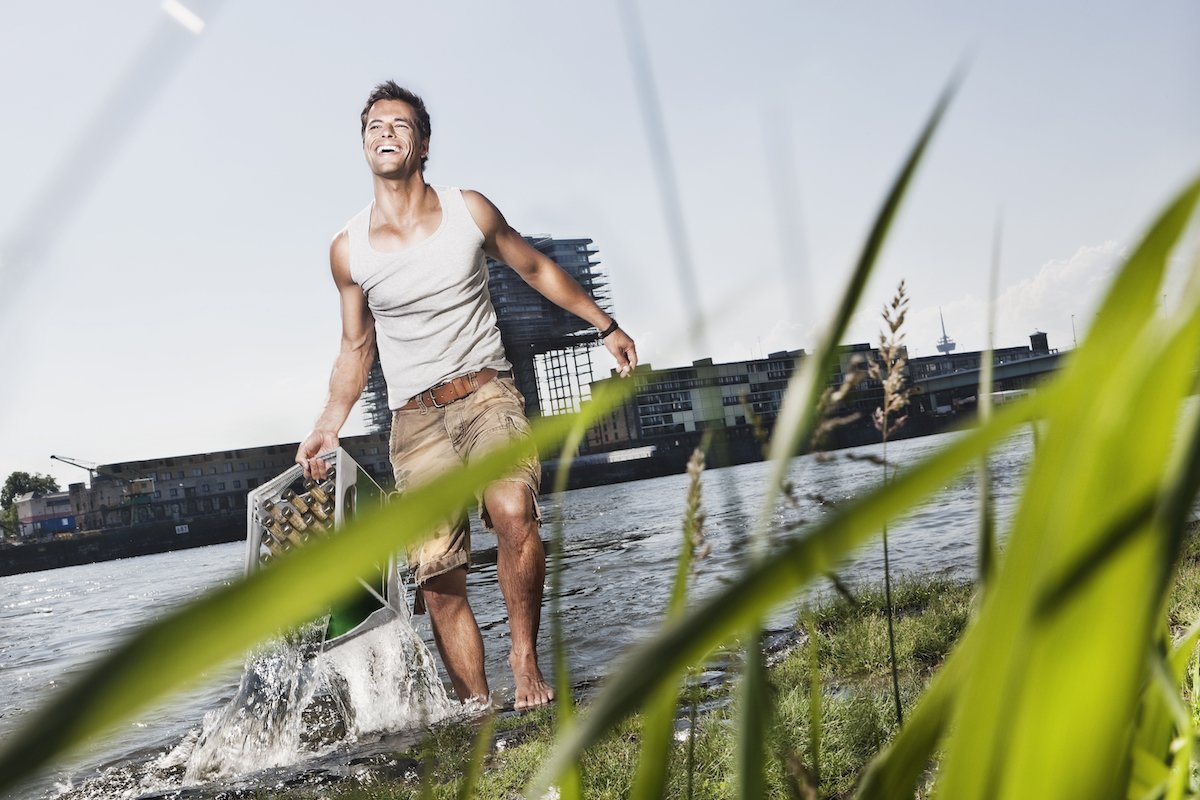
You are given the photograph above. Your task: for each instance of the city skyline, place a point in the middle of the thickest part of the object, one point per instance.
(643, 371)
(169, 292)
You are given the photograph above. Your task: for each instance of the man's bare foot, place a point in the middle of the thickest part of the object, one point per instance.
(477, 704)
(531, 688)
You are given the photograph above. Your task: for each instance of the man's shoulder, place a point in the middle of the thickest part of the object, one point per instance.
(359, 218)
(339, 256)
(341, 239)
(472, 196)
(485, 214)
(469, 196)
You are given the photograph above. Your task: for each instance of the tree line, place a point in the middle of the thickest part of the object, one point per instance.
(17, 484)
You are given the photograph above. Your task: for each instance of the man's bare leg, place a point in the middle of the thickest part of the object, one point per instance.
(457, 633)
(521, 567)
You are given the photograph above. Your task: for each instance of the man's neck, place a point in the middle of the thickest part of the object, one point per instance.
(401, 199)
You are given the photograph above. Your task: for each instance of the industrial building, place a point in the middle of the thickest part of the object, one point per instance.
(671, 407)
(178, 489)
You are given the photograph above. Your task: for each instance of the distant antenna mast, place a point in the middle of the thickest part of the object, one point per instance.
(945, 344)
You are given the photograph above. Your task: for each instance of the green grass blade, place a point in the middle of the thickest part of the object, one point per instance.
(1183, 483)
(1118, 533)
(797, 416)
(893, 666)
(650, 779)
(894, 772)
(479, 751)
(754, 720)
(1160, 721)
(178, 647)
(1184, 650)
(1149, 777)
(1150, 749)
(664, 171)
(658, 721)
(427, 779)
(816, 695)
(571, 785)
(1047, 705)
(1169, 692)
(987, 516)
(766, 584)
(1164, 684)
(1098, 707)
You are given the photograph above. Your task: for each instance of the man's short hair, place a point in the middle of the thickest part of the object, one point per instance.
(390, 90)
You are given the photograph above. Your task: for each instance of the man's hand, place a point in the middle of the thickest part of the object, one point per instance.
(318, 442)
(623, 350)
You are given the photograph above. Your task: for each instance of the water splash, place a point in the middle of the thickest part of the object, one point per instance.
(296, 702)
(296, 708)
(386, 680)
(261, 726)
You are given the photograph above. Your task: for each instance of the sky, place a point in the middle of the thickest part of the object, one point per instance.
(169, 196)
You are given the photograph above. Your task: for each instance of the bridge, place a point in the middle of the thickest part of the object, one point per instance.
(939, 392)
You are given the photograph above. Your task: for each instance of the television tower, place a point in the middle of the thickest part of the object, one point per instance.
(945, 344)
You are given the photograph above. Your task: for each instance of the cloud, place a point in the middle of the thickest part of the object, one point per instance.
(1063, 292)
(1061, 288)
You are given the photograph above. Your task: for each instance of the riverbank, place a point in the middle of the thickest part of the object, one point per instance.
(858, 717)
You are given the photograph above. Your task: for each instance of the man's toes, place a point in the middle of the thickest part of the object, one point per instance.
(536, 696)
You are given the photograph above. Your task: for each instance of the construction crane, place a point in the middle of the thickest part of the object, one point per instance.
(90, 466)
(134, 489)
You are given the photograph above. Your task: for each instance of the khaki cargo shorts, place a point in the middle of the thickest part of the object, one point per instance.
(428, 442)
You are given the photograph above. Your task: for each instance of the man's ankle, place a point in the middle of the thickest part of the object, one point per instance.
(523, 658)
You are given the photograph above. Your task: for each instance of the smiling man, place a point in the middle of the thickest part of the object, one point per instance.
(411, 274)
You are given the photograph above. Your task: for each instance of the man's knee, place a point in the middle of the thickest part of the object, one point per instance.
(446, 593)
(510, 507)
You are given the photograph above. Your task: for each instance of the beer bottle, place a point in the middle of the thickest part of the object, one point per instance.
(320, 512)
(317, 491)
(275, 538)
(314, 525)
(297, 521)
(291, 534)
(275, 547)
(296, 500)
(274, 511)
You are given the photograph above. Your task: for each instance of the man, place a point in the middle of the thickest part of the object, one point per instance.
(412, 278)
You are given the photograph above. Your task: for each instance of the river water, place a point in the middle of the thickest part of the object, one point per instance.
(621, 543)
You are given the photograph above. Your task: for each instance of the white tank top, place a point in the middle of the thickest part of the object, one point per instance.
(433, 313)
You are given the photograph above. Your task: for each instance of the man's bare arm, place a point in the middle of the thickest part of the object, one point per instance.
(350, 369)
(503, 243)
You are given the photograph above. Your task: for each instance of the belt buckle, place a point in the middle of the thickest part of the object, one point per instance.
(472, 382)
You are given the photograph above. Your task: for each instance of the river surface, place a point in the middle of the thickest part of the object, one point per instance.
(621, 543)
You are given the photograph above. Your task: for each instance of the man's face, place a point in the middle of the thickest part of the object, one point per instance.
(392, 141)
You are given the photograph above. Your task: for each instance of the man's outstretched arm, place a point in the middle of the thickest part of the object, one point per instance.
(350, 369)
(503, 243)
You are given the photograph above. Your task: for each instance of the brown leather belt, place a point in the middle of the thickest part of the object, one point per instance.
(455, 389)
